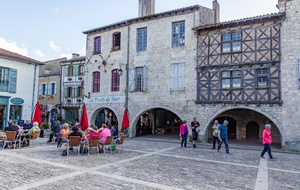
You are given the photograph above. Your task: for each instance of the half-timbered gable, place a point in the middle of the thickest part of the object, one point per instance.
(239, 61)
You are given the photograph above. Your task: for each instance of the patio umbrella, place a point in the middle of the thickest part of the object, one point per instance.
(37, 117)
(84, 123)
(125, 121)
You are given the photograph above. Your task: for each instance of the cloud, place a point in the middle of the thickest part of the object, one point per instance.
(56, 9)
(54, 47)
(38, 53)
(13, 47)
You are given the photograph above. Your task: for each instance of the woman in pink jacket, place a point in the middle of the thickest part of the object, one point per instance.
(183, 132)
(266, 140)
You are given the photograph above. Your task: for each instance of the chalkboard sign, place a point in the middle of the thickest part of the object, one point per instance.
(21, 123)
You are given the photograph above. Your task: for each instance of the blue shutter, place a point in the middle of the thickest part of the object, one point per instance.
(13, 81)
(144, 82)
(55, 86)
(131, 80)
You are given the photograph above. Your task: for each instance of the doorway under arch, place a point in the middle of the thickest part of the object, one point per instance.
(252, 131)
(231, 132)
(106, 116)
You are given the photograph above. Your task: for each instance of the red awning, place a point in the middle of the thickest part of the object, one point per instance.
(37, 117)
(125, 121)
(84, 122)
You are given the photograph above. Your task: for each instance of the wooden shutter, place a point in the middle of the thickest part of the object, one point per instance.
(181, 76)
(55, 86)
(66, 71)
(145, 77)
(131, 80)
(40, 89)
(173, 78)
(13, 81)
(49, 89)
(65, 92)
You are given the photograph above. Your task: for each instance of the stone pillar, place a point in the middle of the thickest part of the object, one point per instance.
(146, 7)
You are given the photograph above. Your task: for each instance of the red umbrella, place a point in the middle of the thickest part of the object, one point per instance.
(37, 117)
(84, 122)
(125, 121)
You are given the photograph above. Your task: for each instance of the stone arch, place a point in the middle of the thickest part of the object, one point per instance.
(252, 130)
(241, 126)
(95, 112)
(136, 118)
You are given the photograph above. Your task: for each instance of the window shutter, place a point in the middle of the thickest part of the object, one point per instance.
(181, 76)
(49, 89)
(173, 76)
(40, 89)
(144, 82)
(66, 71)
(65, 92)
(55, 86)
(74, 92)
(13, 81)
(131, 80)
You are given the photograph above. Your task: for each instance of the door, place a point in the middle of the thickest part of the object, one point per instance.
(252, 131)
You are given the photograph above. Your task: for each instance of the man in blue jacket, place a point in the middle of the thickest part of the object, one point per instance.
(223, 137)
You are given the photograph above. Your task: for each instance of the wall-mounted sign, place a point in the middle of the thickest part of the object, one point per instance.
(106, 99)
(3, 100)
(17, 101)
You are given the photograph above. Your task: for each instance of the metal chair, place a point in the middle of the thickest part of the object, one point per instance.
(10, 139)
(94, 143)
(120, 143)
(74, 142)
(107, 144)
(34, 137)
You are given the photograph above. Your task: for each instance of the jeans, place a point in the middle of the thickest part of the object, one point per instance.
(266, 148)
(183, 140)
(214, 141)
(226, 145)
(195, 135)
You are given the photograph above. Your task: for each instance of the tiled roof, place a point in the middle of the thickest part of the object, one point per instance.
(239, 22)
(14, 56)
(154, 16)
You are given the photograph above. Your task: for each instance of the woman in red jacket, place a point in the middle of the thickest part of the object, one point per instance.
(183, 132)
(267, 140)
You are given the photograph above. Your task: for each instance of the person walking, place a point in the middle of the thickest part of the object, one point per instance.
(267, 141)
(223, 137)
(183, 133)
(195, 124)
(215, 133)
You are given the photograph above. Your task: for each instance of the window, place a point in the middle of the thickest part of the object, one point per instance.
(43, 89)
(115, 80)
(69, 71)
(96, 81)
(177, 76)
(231, 42)
(8, 80)
(79, 91)
(97, 45)
(231, 79)
(138, 79)
(52, 88)
(178, 36)
(116, 41)
(141, 44)
(15, 112)
(80, 70)
(262, 77)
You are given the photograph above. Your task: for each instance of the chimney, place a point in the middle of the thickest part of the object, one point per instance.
(75, 55)
(146, 7)
(281, 5)
(216, 8)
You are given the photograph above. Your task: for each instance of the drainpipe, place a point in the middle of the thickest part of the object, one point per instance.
(33, 88)
(127, 67)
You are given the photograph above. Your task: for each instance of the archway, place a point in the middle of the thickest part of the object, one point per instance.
(105, 116)
(252, 131)
(157, 121)
(231, 126)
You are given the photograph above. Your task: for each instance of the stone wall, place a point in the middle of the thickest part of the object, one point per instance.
(290, 51)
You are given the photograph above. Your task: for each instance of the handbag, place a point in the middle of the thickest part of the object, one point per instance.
(198, 129)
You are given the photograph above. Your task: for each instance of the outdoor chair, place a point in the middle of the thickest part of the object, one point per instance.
(74, 142)
(119, 145)
(108, 144)
(11, 139)
(34, 137)
(94, 143)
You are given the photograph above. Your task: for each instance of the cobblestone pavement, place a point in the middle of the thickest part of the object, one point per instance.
(147, 163)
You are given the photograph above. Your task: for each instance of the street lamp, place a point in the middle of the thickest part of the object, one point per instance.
(120, 71)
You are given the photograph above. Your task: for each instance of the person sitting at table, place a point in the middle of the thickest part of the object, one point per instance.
(93, 132)
(64, 134)
(13, 127)
(105, 133)
(113, 131)
(32, 130)
(75, 132)
(54, 130)
(27, 125)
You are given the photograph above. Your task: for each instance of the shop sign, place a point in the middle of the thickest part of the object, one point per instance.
(3, 101)
(107, 99)
(17, 101)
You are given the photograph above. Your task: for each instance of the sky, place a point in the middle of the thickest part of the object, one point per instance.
(51, 29)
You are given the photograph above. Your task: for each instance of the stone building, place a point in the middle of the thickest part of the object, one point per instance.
(18, 87)
(49, 89)
(158, 51)
(72, 73)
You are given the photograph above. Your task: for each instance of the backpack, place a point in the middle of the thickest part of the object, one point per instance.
(64, 153)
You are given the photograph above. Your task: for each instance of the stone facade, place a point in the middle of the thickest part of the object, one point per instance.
(158, 58)
(290, 50)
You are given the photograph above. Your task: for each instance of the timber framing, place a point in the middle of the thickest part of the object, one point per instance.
(238, 62)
